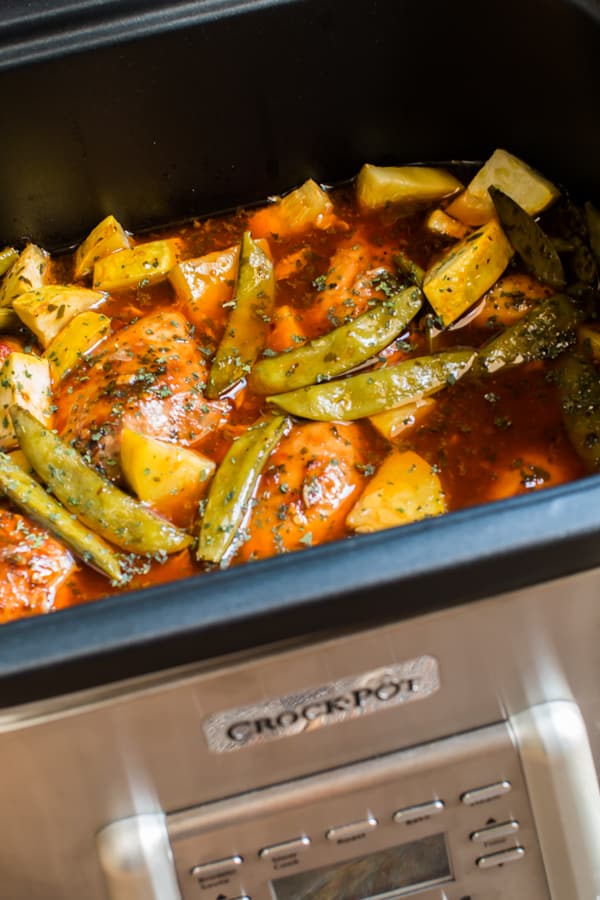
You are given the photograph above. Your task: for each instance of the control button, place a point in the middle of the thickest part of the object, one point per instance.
(351, 831)
(501, 830)
(205, 870)
(498, 859)
(286, 847)
(490, 792)
(422, 811)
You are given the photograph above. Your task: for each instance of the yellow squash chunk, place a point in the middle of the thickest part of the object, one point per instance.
(393, 422)
(107, 237)
(74, 341)
(404, 489)
(440, 223)
(137, 267)
(527, 187)
(165, 475)
(24, 379)
(49, 309)
(26, 274)
(467, 271)
(381, 186)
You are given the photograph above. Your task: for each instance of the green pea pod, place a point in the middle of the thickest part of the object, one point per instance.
(543, 333)
(246, 330)
(535, 248)
(378, 390)
(579, 389)
(8, 256)
(340, 350)
(31, 497)
(95, 501)
(593, 223)
(9, 320)
(409, 269)
(232, 488)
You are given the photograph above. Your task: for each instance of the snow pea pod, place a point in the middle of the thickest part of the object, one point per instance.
(233, 485)
(33, 499)
(246, 330)
(374, 392)
(543, 333)
(340, 350)
(579, 390)
(93, 499)
(535, 248)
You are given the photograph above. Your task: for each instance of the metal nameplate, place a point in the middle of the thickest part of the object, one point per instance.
(328, 704)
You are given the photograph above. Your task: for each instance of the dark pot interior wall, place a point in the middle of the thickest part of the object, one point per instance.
(227, 109)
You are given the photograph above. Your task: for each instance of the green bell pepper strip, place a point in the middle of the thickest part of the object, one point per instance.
(32, 498)
(232, 488)
(340, 350)
(543, 333)
(579, 391)
(535, 248)
(246, 330)
(376, 391)
(93, 499)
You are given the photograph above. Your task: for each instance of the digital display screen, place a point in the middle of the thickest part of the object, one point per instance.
(417, 864)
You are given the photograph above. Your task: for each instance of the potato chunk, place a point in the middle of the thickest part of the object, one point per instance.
(467, 271)
(26, 274)
(381, 186)
(74, 341)
(404, 489)
(439, 222)
(139, 266)
(107, 237)
(49, 309)
(24, 379)
(166, 475)
(527, 187)
(307, 207)
(392, 423)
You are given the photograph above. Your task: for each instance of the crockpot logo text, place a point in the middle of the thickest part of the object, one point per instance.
(327, 704)
(356, 699)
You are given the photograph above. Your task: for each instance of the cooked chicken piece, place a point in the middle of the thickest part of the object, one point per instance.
(32, 566)
(149, 377)
(308, 488)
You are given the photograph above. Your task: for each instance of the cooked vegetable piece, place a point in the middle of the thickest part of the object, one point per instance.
(8, 256)
(26, 274)
(306, 207)
(9, 320)
(527, 187)
(137, 267)
(74, 341)
(530, 242)
(341, 349)
(24, 379)
(166, 475)
(544, 332)
(204, 285)
(588, 336)
(246, 330)
(33, 499)
(372, 392)
(404, 489)
(381, 186)
(579, 388)
(409, 269)
(467, 271)
(107, 237)
(94, 500)
(395, 422)
(233, 485)
(440, 222)
(47, 310)
(593, 223)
